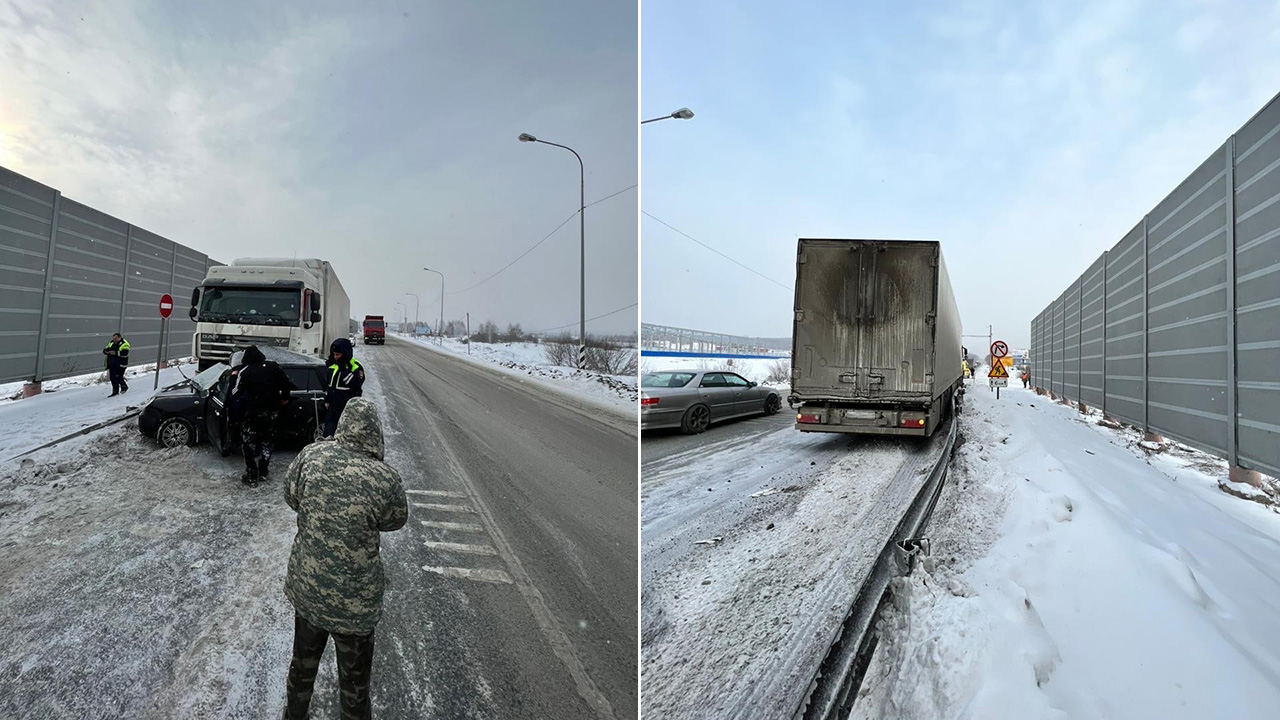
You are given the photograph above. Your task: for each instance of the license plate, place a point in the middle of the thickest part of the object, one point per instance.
(860, 414)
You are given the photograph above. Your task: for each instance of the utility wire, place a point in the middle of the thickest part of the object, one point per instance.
(575, 322)
(726, 257)
(535, 245)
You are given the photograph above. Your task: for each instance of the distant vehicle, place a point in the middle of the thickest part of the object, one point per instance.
(296, 304)
(375, 330)
(196, 411)
(876, 337)
(693, 399)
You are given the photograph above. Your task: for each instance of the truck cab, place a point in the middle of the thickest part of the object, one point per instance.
(297, 305)
(374, 330)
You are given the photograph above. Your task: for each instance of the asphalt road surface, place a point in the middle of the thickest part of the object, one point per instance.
(148, 583)
(754, 537)
(512, 591)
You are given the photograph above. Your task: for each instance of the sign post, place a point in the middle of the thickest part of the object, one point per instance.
(998, 376)
(166, 309)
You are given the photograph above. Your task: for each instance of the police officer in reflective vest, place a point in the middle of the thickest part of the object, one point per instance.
(346, 380)
(117, 359)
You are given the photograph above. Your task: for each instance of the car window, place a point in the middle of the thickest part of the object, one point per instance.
(666, 380)
(734, 380)
(712, 380)
(298, 376)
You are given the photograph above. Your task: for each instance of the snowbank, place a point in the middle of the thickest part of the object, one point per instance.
(528, 361)
(70, 404)
(1077, 576)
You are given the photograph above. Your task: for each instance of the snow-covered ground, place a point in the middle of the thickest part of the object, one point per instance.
(1078, 574)
(755, 369)
(70, 404)
(529, 361)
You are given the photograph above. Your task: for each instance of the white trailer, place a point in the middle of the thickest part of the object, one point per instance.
(298, 304)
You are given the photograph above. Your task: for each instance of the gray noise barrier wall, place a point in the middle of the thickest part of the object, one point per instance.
(1176, 329)
(70, 276)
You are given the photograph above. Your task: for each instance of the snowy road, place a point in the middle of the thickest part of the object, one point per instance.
(754, 538)
(142, 582)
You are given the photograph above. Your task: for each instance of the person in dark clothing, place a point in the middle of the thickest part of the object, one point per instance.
(117, 359)
(261, 390)
(346, 380)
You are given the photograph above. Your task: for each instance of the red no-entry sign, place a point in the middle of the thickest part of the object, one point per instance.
(166, 305)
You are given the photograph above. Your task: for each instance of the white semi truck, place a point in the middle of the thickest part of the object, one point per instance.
(297, 304)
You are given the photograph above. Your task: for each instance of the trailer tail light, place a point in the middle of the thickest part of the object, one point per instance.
(808, 417)
(911, 423)
(648, 401)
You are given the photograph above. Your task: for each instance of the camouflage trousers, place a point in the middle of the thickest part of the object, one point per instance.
(355, 664)
(257, 433)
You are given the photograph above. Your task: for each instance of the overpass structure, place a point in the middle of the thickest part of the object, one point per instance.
(659, 340)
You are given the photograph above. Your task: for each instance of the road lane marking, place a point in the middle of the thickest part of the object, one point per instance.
(460, 547)
(437, 493)
(445, 508)
(552, 629)
(451, 525)
(483, 575)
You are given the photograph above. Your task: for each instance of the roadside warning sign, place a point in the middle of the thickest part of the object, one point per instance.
(999, 349)
(998, 371)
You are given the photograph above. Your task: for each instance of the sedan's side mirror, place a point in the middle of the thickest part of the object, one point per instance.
(754, 383)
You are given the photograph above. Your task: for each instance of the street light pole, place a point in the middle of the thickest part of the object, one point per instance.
(681, 114)
(404, 309)
(582, 243)
(416, 301)
(440, 325)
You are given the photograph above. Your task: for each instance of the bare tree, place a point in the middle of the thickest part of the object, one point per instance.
(779, 372)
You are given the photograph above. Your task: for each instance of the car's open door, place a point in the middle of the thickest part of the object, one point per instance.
(217, 423)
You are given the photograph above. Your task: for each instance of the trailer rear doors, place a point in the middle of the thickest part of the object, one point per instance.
(865, 319)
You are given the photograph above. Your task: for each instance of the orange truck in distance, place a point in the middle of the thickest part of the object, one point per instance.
(375, 330)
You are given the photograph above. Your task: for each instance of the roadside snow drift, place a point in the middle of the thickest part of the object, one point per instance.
(1077, 575)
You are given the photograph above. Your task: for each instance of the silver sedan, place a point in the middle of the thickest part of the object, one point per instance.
(693, 399)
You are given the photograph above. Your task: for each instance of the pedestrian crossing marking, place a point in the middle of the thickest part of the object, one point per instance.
(437, 493)
(451, 525)
(483, 574)
(460, 547)
(445, 508)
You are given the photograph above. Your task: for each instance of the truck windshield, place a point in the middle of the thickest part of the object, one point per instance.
(374, 324)
(251, 306)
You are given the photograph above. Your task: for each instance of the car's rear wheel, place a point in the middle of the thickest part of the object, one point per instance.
(772, 405)
(695, 420)
(176, 432)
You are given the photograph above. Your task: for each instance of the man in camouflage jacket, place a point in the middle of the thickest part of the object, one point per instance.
(345, 497)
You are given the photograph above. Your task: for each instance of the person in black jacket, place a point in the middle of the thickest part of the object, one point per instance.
(117, 352)
(262, 390)
(346, 380)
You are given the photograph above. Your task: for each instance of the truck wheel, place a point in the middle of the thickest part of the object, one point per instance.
(695, 420)
(176, 432)
(771, 405)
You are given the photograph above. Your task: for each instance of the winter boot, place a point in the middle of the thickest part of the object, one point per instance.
(249, 478)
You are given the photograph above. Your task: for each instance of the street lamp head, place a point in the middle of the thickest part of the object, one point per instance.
(682, 114)
(526, 137)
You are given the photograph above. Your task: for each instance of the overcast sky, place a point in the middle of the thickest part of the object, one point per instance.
(379, 136)
(1028, 137)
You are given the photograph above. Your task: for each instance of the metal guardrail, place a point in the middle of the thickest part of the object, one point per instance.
(839, 676)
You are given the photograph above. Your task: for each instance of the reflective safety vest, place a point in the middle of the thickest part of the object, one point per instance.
(122, 353)
(342, 381)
